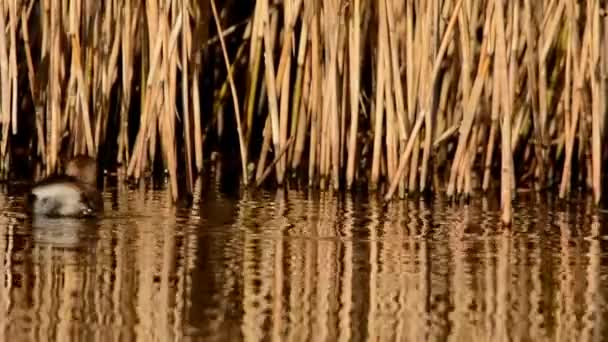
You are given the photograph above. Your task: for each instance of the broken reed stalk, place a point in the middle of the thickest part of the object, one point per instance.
(451, 82)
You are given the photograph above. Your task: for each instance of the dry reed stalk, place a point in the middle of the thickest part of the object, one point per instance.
(149, 96)
(315, 103)
(430, 90)
(468, 108)
(403, 162)
(354, 58)
(198, 139)
(391, 134)
(282, 78)
(77, 70)
(166, 122)
(343, 107)
(389, 106)
(271, 85)
(304, 113)
(106, 70)
(330, 134)
(495, 117)
(12, 60)
(419, 120)
(284, 107)
(423, 90)
(379, 97)
(222, 93)
(402, 120)
(395, 46)
(237, 112)
(298, 116)
(33, 85)
(185, 58)
(551, 20)
(339, 103)
(470, 160)
(5, 81)
(279, 156)
(500, 60)
(55, 80)
(154, 97)
(201, 16)
(597, 100)
(413, 166)
(265, 149)
(130, 16)
(255, 51)
(411, 65)
(512, 70)
(416, 75)
(328, 93)
(289, 19)
(577, 51)
(531, 40)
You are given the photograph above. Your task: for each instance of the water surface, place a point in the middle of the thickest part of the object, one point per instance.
(299, 266)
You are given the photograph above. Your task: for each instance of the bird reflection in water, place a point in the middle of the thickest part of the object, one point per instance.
(64, 232)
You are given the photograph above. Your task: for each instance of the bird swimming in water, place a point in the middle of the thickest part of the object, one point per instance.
(73, 194)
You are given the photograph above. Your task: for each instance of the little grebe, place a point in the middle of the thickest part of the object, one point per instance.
(73, 194)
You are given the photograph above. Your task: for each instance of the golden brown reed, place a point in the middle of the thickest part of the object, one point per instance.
(441, 95)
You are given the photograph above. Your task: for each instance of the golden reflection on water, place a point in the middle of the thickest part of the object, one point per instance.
(300, 267)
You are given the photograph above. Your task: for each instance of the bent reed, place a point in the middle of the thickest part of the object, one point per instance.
(454, 96)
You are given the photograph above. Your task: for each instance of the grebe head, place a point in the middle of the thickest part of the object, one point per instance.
(83, 168)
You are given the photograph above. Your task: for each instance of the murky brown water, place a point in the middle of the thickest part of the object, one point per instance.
(300, 267)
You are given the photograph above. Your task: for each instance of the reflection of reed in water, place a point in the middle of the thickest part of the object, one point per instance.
(120, 286)
(63, 273)
(480, 283)
(303, 266)
(593, 317)
(63, 232)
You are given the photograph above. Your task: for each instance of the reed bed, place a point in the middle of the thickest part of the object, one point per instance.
(456, 96)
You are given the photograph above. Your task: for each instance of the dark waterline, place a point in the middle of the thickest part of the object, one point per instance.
(296, 266)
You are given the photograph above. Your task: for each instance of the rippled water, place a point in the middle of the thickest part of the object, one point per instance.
(295, 266)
